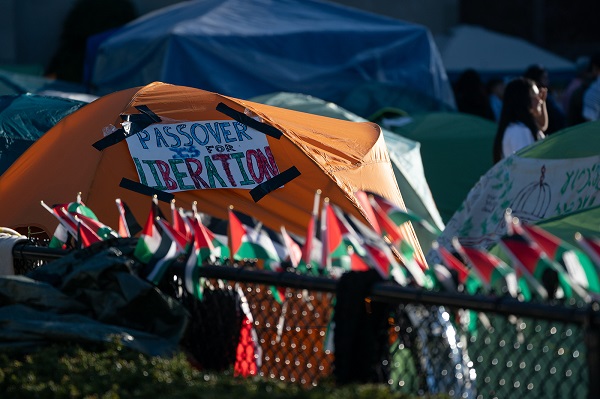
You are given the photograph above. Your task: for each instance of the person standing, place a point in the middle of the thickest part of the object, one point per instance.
(591, 97)
(471, 96)
(557, 119)
(582, 66)
(495, 90)
(524, 117)
(575, 98)
(85, 19)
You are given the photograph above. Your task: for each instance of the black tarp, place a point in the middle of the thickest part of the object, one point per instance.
(90, 295)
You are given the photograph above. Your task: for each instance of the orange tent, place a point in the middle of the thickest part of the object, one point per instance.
(338, 157)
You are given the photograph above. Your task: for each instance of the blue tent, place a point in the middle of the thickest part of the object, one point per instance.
(24, 118)
(16, 83)
(247, 48)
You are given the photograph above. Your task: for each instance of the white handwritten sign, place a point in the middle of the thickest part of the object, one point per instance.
(201, 155)
(534, 189)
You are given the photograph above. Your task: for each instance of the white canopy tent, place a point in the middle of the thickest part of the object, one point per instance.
(492, 53)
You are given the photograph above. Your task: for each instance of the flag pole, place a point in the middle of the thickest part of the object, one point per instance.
(324, 242)
(229, 240)
(47, 207)
(122, 217)
(310, 231)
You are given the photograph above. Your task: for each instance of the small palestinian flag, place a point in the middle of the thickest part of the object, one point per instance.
(67, 225)
(312, 248)
(250, 239)
(156, 248)
(100, 229)
(591, 246)
(293, 248)
(468, 280)
(248, 359)
(178, 221)
(128, 225)
(535, 263)
(406, 252)
(491, 270)
(379, 253)
(336, 235)
(400, 216)
(577, 264)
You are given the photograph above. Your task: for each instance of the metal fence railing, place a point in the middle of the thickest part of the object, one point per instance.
(465, 346)
(420, 341)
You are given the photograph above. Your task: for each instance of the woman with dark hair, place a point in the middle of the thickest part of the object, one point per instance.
(524, 117)
(557, 119)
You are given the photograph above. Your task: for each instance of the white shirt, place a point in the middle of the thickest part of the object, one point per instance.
(517, 136)
(591, 102)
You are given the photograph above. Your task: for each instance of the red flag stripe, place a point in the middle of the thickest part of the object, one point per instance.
(484, 262)
(363, 199)
(335, 229)
(390, 228)
(236, 233)
(453, 263)
(526, 253)
(548, 242)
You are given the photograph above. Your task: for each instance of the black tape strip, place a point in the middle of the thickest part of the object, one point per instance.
(145, 190)
(246, 120)
(115, 137)
(258, 192)
(146, 111)
(138, 123)
(140, 119)
(120, 135)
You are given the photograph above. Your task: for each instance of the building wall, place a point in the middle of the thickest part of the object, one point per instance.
(7, 31)
(437, 15)
(569, 29)
(30, 29)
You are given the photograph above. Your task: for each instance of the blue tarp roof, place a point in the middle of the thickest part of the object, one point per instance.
(246, 48)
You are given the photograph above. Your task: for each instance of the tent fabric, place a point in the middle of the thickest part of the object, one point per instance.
(404, 154)
(338, 157)
(15, 83)
(537, 184)
(585, 221)
(456, 149)
(247, 48)
(26, 117)
(373, 99)
(492, 53)
(87, 296)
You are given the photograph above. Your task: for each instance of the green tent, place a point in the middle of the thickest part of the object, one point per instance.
(456, 150)
(553, 183)
(375, 98)
(585, 221)
(404, 154)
